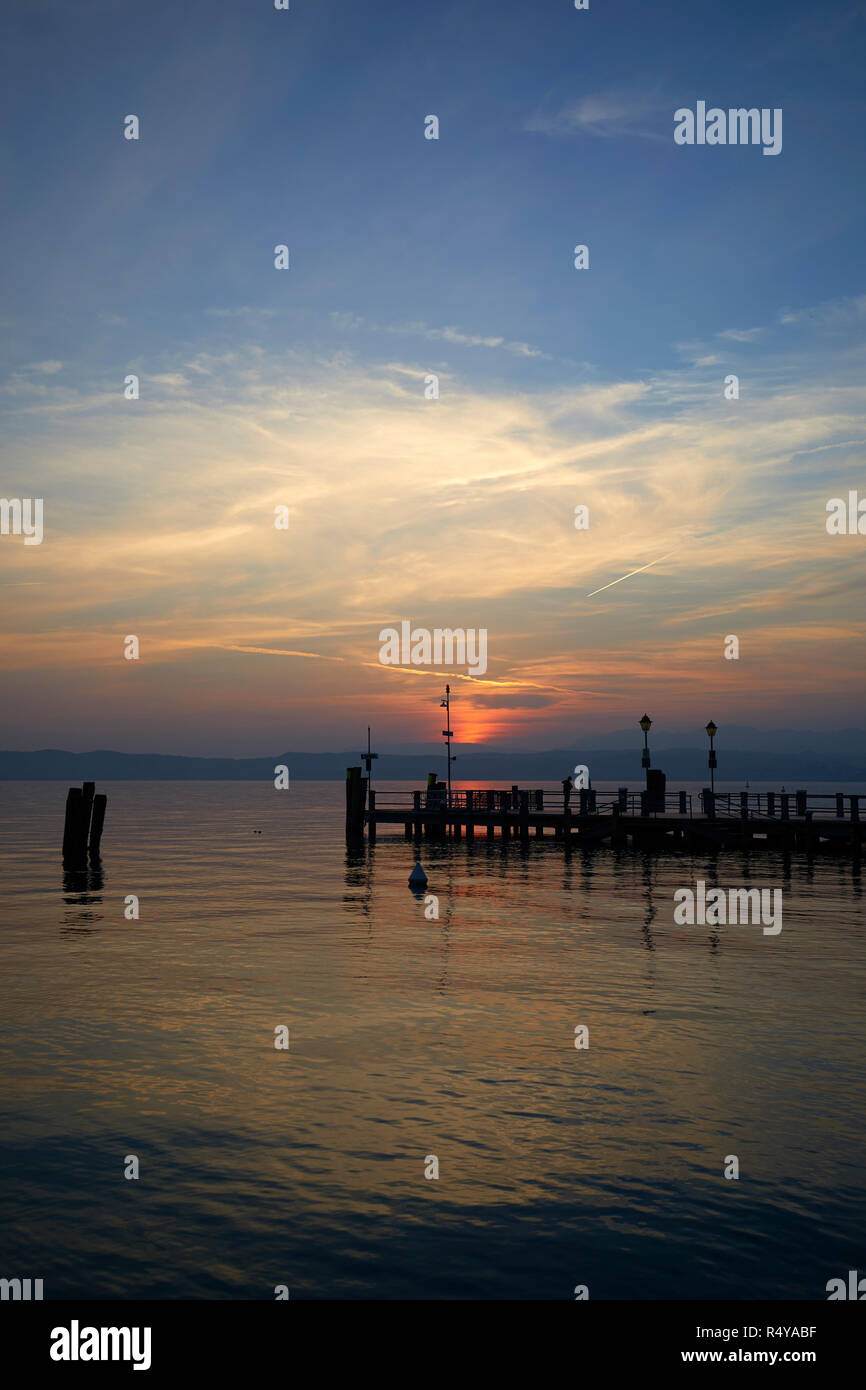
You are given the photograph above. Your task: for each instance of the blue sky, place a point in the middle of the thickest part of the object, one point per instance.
(411, 256)
(306, 127)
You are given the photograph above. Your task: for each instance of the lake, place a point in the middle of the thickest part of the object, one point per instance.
(411, 1038)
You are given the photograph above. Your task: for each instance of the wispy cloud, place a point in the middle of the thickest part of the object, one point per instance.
(457, 512)
(832, 313)
(610, 114)
(350, 322)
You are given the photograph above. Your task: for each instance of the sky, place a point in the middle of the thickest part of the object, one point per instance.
(409, 258)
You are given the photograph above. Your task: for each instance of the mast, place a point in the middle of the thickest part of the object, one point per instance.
(447, 734)
(367, 759)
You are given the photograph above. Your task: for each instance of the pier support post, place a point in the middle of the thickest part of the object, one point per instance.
(855, 808)
(97, 821)
(840, 806)
(71, 823)
(786, 815)
(800, 798)
(76, 824)
(771, 803)
(356, 799)
(524, 815)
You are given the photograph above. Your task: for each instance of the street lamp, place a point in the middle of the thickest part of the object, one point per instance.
(646, 724)
(712, 731)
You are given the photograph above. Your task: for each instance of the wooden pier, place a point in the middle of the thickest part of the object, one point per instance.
(792, 820)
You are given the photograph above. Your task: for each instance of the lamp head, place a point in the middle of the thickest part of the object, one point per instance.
(646, 723)
(711, 729)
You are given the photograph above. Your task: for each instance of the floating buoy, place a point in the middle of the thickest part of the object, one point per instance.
(418, 878)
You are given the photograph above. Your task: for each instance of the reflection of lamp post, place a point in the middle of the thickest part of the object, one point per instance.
(646, 724)
(712, 731)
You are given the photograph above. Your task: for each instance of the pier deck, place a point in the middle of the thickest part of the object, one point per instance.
(800, 819)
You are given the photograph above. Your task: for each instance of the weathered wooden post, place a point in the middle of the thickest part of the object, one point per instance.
(356, 797)
(524, 815)
(855, 808)
(800, 797)
(771, 803)
(840, 806)
(76, 825)
(97, 821)
(71, 821)
(372, 821)
(783, 797)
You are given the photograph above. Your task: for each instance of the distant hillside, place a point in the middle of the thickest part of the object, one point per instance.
(605, 764)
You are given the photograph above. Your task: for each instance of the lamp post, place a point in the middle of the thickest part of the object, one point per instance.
(712, 731)
(646, 724)
(448, 734)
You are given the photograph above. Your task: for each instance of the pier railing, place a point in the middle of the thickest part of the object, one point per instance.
(782, 805)
(514, 801)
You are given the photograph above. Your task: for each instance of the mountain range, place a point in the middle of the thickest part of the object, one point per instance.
(787, 756)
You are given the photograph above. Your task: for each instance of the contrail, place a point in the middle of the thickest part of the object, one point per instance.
(630, 573)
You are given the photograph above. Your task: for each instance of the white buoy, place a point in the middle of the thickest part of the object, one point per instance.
(418, 878)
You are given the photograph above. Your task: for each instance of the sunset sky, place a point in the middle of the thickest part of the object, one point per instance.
(305, 387)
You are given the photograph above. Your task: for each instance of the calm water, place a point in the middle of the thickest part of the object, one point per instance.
(412, 1037)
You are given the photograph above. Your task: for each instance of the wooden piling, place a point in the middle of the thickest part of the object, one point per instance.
(97, 821)
(82, 823)
(524, 815)
(356, 799)
(72, 824)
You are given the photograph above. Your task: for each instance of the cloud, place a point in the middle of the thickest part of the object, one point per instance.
(609, 114)
(832, 313)
(350, 322)
(453, 513)
(242, 311)
(741, 335)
